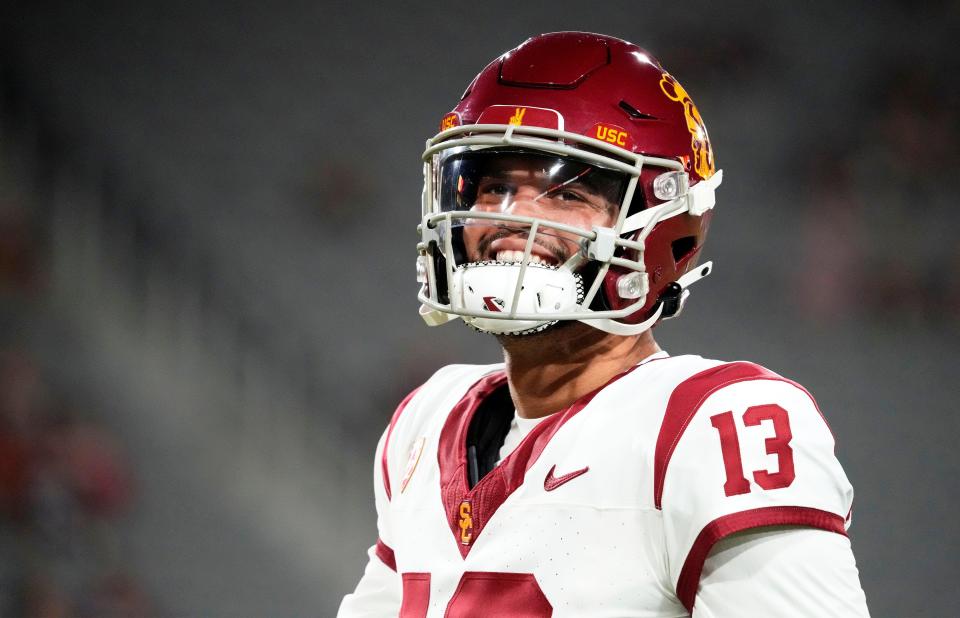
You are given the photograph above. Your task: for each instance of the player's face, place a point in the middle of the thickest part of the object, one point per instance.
(564, 192)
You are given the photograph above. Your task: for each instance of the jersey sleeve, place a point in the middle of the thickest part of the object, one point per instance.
(379, 591)
(793, 572)
(742, 448)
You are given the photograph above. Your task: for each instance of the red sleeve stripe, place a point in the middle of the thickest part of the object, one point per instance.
(687, 398)
(386, 555)
(386, 443)
(724, 526)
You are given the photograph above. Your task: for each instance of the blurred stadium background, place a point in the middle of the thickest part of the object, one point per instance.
(207, 217)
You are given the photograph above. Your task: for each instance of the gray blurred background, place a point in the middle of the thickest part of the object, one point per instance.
(207, 295)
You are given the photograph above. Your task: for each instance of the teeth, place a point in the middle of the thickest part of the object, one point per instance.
(508, 255)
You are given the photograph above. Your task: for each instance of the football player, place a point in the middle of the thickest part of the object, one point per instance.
(566, 200)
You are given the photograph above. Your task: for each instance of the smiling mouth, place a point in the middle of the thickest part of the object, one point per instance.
(511, 256)
(507, 245)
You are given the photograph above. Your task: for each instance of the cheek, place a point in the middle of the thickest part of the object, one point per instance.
(471, 240)
(606, 219)
(587, 219)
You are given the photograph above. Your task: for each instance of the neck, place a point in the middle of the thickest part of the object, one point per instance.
(550, 371)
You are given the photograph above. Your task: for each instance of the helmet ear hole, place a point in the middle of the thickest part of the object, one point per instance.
(440, 273)
(683, 247)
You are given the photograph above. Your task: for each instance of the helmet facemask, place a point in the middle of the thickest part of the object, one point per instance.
(521, 225)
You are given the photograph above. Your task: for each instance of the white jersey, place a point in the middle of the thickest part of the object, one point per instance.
(607, 508)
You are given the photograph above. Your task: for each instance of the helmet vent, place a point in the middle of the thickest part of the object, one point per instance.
(635, 113)
(558, 60)
(683, 247)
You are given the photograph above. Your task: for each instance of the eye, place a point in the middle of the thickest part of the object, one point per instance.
(571, 197)
(566, 195)
(579, 199)
(496, 188)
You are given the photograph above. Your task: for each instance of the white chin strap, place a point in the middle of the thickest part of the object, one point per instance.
(619, 328)
(700, 198)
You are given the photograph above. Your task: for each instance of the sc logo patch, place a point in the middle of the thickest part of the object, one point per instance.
(466, 522)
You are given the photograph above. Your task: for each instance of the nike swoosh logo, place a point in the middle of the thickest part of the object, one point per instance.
(552, 482)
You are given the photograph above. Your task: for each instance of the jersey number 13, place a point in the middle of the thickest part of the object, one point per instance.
(778, 445)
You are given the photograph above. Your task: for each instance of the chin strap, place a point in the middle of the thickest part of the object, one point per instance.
(671, 302)
(698, 273)
(434, 317)
(700, 198)
(619, 328)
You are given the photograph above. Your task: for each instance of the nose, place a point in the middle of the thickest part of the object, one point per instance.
(526, 201)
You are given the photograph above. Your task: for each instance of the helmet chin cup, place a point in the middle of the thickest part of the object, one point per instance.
(488, 298)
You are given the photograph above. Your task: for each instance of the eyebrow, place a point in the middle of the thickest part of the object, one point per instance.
(576, 181)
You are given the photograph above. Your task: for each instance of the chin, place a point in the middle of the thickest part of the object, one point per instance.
(560, 327)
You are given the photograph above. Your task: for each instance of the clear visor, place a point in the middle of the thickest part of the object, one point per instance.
(549, 188)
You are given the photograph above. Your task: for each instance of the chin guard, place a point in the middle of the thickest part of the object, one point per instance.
(482, 292)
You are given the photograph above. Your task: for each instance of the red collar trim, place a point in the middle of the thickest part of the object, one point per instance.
(466, 523)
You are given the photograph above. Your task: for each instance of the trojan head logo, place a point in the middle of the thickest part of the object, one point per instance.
(518, 115)
(466, 523)
(412, 460)
(699, 141)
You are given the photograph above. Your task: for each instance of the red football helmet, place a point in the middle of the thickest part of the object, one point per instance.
(589, 121)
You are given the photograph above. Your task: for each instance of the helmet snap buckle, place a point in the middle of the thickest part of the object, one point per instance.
(632, 285)
(671, 185)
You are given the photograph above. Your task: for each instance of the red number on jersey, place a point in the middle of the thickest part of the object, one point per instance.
(480, 593)
(416, 595)
(730, 445)
(778, 445)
